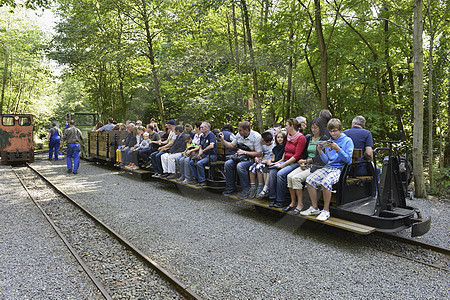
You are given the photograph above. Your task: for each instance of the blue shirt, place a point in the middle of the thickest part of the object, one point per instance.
(205, 141)
(361, 137)
(338, 159)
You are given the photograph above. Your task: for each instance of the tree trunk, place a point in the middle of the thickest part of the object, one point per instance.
(253, 67)
(290, 67)
(377, 73)
(323, 56)
(4, 80)
(398, 112)
(236, 45)
(430, 100)
(151, 57)
(419, 182)
(230, 41)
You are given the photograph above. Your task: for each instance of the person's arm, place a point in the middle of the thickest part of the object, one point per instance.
(322, 153)
(227, 144)
(369, 153)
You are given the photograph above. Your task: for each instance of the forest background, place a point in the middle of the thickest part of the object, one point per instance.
(232, 60)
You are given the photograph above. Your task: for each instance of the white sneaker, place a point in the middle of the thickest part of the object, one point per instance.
(310, 211)
(324, 215)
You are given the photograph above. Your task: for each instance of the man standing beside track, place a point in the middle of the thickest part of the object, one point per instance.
(54, 138)
(73, 137)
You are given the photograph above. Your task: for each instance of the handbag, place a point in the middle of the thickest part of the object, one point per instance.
(237, 158)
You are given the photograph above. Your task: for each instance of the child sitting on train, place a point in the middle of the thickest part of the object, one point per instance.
(276, 157)
(133, 155)
(335, 153)
(259, 170)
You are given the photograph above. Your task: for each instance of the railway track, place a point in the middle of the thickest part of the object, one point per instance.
(414, 250)
(118, 268)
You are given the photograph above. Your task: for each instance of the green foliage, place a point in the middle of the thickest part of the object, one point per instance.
(442, 182)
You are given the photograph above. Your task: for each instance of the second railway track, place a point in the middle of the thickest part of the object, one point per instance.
(118, 268)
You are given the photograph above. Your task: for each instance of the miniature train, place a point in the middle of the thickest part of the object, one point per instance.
(355, 204)
(16, 138)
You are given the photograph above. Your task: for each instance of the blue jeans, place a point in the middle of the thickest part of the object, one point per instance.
(231, 168)
(278, 182)
(182, 163)
(53, 147)
(156, 161)
(198, 168)
(73, 150)
(145, 154)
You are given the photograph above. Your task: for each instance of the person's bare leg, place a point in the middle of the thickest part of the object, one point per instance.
(293, 197)
(299, 194)
(326, 198)
(313, 196)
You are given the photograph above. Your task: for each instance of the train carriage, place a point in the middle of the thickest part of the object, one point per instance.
(16, 138)
(355, 206)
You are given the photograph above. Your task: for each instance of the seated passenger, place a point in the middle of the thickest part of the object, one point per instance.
(312, 163)
(144, 155)
(250, 139)
(277, 156)
(362, 139)
(293, 151)
(188, 129)
(261, 165)
(324, 117)
(127, 154)
(229, 136)
(128, 142)
(198, 132)
(134, 154)
(276, 129)
(302, 123)
(177, 148)
(335, 154)
(97, 126)
(154, 125)
(182, 162)
(207, 152)
(156, 156)
(108, 127)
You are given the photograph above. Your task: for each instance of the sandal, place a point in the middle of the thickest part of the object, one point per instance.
(296, 211)
(288, 208)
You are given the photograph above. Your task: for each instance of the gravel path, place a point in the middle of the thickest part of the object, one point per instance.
(225, 249)
(35, 263)
(120, 271)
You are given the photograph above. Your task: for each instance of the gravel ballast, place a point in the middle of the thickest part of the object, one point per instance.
(35, 263)
(226, 249)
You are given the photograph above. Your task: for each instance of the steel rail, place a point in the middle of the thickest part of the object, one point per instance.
(409, 241)
(177, 284)
(88, 271)
(422, 245)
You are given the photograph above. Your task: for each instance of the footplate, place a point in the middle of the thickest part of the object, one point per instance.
(420, 226)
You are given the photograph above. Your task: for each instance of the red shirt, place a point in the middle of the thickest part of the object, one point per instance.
(295, 148)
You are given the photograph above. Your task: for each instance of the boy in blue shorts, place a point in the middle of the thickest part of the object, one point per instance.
(335, 153)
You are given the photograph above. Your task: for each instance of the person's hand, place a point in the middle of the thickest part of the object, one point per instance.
(240, 152)
(257, 159)
(334, 146)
